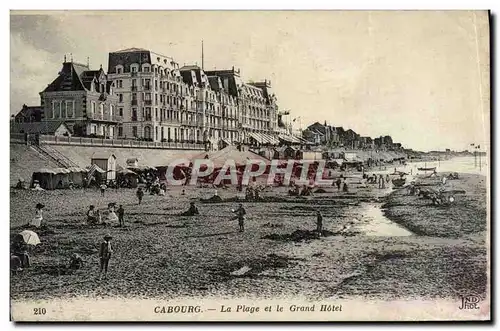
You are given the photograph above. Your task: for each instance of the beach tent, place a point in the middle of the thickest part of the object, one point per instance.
(76, 175)
(128, 176)
(52, 178)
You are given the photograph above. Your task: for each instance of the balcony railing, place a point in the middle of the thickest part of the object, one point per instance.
(147, 87)
(134, 102)
(134, 88)
(103, 117)
(84, 141)
(133, 74)
(147, 102)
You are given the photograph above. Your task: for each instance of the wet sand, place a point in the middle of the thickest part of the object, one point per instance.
(162, 255)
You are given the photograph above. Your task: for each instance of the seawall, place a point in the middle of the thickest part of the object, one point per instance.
(24, 160)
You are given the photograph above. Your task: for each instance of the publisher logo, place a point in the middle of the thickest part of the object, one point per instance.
(470, 301)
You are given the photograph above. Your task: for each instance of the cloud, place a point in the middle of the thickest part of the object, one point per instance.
(31, 69)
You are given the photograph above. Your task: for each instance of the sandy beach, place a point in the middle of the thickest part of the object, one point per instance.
(162, 255)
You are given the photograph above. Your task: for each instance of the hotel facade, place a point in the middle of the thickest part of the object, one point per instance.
(158, 100)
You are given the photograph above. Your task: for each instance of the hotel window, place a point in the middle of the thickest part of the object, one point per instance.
(53, 109)
(134, 115)
(120, 97)
(70, 108)
(134, 82)
(101, 110)
(134, 68)
(134, 96)
(134, 131)
(147, 96)
(93, 129)
(120, 131)
(146, 69)
(120, 111)
(93, 108)
(111, 111)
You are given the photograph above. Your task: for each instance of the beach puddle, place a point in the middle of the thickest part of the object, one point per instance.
(373, 222)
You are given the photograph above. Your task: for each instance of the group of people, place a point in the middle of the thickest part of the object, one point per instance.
(95, 217)
(374, 179)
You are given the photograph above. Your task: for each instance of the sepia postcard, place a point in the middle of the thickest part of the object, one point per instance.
(250, 166)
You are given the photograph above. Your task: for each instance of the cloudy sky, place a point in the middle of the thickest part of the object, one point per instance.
(422, 77)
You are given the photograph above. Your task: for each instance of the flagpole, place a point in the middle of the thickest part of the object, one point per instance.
(479, 158)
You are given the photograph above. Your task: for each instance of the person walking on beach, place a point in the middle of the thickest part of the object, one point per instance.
(105, 255)
(121, 213)
(387, 178)
(103, 188)
(319, 223)
(140, 194)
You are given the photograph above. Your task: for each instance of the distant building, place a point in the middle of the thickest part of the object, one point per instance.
(29, 114)
(54, 128)
(322, 134)
(83, 99)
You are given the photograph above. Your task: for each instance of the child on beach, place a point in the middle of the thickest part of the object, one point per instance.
(319, 222)
(105, 255)
(121, 213)
(103, 188)
(92, 217)
(240, 216)
(140, 194)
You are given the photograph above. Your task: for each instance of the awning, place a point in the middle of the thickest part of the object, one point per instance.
(126, 172)
(264, 138)
(291, 139)
(53, 171)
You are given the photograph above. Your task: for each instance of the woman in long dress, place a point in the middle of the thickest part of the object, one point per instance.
(112, 217)
(37, 220)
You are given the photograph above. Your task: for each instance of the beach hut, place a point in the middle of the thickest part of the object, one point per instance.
(51, 178)
(106, 162)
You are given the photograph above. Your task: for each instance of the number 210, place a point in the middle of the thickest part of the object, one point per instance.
(39, 311)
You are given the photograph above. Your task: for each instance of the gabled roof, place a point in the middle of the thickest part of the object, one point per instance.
(74, 77)
(132, 49)
(102, 156)
(29, 111)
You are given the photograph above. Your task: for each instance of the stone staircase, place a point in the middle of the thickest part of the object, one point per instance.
(54, 155)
